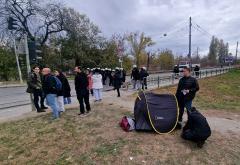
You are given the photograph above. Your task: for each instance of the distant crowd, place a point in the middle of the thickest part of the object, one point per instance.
(55, 88)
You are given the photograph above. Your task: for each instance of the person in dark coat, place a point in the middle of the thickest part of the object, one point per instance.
(103, 73)
(196, 70)
(176, 71)
(143, 77)
(197, 128)
(135, 76)
(35, 87)
(110, 75)
(123, 74)
(66, 89)
(81, 87)
(117, 80)
(186, 91)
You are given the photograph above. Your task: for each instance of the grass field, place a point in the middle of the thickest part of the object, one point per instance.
(217, 93)
(97, 138)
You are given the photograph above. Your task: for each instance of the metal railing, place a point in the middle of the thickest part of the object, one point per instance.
(160, 81)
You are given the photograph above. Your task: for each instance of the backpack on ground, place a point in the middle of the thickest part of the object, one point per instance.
(127, 124)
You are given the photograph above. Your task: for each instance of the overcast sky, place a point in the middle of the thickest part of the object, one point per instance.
(157, 17)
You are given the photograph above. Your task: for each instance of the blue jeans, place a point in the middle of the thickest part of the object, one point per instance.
(182, 105)
(67, 100)
(98, 94)
(52, 102)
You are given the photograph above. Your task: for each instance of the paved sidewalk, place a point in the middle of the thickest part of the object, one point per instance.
(21, 112)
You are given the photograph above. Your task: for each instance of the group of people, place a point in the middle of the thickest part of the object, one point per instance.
(196, 129)
(139, 77)
(176, 71)
(55, 88)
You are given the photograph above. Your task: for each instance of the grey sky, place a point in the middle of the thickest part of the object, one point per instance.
(156, 17)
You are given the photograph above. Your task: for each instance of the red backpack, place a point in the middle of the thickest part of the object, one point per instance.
(127, 124)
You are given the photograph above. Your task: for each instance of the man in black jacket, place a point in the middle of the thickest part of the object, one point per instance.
(143, 77)
(196, 128)
(117, 81)
(135, 76)
(81, 87)
(187, 88)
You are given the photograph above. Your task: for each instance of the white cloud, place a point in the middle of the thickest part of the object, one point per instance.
(156, 17)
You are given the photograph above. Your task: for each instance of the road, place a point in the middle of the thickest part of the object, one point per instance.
(14, 101)
(17, 96)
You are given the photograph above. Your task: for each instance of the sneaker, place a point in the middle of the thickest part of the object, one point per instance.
(82, 114)
(89, 111)
(200, 144)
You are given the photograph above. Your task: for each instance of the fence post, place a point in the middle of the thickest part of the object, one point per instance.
(158, 81)
(173, 77)
(216, 71)
(211, 73)
(206, 73)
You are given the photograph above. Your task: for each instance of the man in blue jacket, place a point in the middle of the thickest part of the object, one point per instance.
(50, 90)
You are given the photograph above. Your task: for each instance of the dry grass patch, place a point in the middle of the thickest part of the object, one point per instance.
(97, 139)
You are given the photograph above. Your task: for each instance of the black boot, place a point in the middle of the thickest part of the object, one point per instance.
(43, 107)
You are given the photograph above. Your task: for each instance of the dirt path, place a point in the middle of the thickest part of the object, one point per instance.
(220, 121)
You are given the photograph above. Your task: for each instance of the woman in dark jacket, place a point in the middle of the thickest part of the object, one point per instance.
(117, 81)
(66, 89)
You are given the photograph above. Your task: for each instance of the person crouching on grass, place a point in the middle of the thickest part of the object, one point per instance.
(197, 128)
(186, 91)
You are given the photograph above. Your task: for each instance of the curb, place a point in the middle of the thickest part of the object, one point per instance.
(12, 86)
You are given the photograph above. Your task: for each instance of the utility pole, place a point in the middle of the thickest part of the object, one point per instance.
(190, 38)
(17, 60)
(197, 51)
(148, 60)
(27, 54)
(28, 65)
(236, 51)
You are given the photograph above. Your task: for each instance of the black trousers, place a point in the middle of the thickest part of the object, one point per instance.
(37, 93)
(189, 135)
(118, 92)
(144, 83)
(84, 98)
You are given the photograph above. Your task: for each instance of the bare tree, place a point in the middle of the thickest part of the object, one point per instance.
(37, 20)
